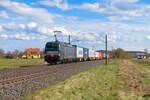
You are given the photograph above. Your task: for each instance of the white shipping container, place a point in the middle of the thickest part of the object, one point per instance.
(97, 54)
(79, 52)
(91, 53)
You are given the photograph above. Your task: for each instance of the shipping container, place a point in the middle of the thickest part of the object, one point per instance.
(85, 53)
(97, 55)
(91, 54)
(100, 55)
(79, 51)
(104, 55)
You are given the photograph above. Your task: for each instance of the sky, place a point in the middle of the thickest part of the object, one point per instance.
(31, 23)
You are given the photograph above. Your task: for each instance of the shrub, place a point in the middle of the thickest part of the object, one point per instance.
(121, 54)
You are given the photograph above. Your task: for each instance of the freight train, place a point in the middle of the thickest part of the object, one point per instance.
(63, 52)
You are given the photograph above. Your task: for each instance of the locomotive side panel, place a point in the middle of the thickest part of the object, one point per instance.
(69, 52)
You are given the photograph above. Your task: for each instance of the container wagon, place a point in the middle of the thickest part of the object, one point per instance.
(78, 53)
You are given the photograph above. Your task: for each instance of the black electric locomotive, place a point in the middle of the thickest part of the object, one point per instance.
(59, 52)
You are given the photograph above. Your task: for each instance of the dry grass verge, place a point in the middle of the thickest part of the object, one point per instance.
(134, 84)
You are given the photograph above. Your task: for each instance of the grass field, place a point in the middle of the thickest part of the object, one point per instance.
(143, 61)
(120, 80)
(14, 63)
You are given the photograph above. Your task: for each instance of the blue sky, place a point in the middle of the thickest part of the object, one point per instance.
(30, 23)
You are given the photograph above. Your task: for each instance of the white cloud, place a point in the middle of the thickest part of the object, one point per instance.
(21, 36)
(72, 18)
(50, 31)
(148, 37)
(110, 9)
(5, 36)
(130, 1)
(94, 6)
(22, 26)
(1, 27)
(3, 14)
(20, 18)
(42, 37)
(10, 26)
(45, 30)
(63, 30)
(113, 36)
(22, 9)
(32, 25)
(119, 18)
(62, 4)
(120, 7)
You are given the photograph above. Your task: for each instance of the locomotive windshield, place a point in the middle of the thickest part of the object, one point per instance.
(52, 46)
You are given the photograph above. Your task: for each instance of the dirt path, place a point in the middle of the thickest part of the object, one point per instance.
(135, 81)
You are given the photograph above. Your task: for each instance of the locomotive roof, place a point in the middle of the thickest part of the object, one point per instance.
(62, 43)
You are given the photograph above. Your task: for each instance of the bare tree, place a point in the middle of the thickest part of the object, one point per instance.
(42, 53)
(2, 53)
(9, 55)
(16, 53)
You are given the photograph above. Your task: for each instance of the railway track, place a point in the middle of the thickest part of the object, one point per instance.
(29, 75)
(11, 76)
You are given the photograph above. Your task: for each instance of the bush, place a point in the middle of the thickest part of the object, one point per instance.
(120, 54)
(9, 55)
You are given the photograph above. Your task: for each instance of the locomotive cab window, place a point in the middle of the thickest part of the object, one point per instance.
(52, 47)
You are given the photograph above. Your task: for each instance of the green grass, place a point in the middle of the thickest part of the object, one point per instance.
(100, 83)
(15, 63)
(107, 82)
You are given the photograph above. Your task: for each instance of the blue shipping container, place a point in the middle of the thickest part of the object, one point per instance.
(85, 53)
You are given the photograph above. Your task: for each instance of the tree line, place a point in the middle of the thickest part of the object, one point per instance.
(116, 53)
